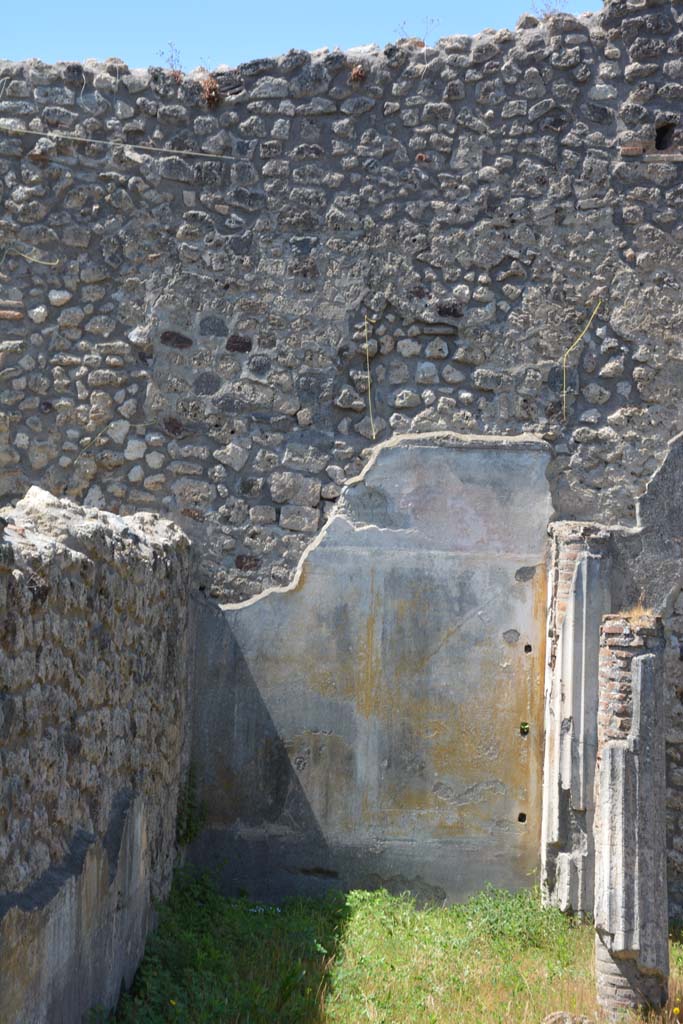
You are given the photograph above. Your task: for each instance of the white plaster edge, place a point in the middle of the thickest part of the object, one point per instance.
(434, 438)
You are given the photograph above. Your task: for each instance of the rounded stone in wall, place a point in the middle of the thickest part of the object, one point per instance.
(213, 325)
(206, 383)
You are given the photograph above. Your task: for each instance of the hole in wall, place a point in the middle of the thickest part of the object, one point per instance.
(521, 817)
(523, 728)
(319, 872)
(527, 648)
(664, 135)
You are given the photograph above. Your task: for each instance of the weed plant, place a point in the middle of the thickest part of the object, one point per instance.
(365, 957)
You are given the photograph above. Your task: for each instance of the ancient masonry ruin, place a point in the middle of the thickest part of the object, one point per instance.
(340, 444)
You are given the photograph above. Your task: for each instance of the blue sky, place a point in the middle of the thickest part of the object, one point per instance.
(211, 32)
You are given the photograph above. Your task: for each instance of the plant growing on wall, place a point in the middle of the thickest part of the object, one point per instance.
(191, 815)
(211, 92)
(171, 59)
(546, 8)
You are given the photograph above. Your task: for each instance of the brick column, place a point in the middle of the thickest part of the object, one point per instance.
(631, 921)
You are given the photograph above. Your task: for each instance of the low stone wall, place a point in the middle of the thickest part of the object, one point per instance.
(92, 704)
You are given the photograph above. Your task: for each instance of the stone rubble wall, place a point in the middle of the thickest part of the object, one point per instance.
(186, 293)
(93, 695)
(219, 291)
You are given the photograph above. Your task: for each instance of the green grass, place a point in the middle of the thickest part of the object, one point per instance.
(363, 956)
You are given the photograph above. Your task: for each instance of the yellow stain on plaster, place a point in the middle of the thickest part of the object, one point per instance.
(465, 740)
(370, 689)
(536, 698)
(462, 737)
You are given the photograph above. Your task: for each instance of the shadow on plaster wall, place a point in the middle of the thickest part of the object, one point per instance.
(261, 837)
